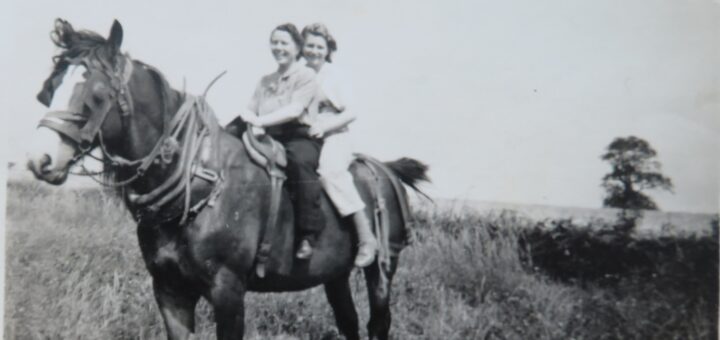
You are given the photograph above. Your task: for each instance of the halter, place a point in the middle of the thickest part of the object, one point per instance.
(194, 120)
(68, 122)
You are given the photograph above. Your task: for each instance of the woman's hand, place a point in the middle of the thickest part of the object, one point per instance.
(256, 130)
(252, 120)
(249, 118)
(316, 130)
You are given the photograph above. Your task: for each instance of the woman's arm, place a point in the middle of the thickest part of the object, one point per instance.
(328, 123)
(303, 92)
(335, 88)
(247, 115)
(282, 115)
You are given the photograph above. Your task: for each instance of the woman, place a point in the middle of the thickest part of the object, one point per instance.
(331, 124)
(280, 106)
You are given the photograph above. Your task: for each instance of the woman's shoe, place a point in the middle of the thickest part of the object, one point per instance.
(305, 250)
(367, 245)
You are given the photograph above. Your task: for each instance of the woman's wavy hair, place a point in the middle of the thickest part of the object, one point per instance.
(320, 30)
(294, 34)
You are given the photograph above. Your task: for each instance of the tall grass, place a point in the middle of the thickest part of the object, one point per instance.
(75, 272)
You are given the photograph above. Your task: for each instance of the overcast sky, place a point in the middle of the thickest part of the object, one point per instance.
(510, 101)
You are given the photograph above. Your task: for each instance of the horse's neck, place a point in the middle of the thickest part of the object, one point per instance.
(147, 124)
(153, 104)
(151, 113)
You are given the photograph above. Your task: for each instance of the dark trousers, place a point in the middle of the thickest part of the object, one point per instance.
(303, 155)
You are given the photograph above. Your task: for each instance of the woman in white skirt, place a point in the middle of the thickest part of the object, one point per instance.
(331, 125)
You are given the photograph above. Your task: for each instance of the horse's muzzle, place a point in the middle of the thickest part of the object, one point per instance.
(40, 167)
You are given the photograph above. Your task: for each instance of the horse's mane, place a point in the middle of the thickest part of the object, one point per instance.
(77, 44)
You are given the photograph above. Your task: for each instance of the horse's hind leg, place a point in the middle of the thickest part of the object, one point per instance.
(379, 294)
(177, 307)
(340, 297)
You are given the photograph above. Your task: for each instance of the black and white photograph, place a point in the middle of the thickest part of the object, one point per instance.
(360, 169)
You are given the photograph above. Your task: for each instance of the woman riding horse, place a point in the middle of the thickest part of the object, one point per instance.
(331, 124)
(280, 104)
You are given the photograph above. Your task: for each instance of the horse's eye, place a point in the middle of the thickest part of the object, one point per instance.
(97, 98)
(99, 91)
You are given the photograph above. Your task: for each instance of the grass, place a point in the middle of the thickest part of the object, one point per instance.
(74, 272)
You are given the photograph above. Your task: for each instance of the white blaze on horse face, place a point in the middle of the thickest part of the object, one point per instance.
(47, 142)
(62, 96)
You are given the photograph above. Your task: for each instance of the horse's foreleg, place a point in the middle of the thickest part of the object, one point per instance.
(177, 307)
(379, 294)
(227, 297)
(340, 297)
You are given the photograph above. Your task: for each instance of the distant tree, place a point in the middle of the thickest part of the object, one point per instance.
(635, 169)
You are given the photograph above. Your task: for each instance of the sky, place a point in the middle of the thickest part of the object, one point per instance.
(507, 101)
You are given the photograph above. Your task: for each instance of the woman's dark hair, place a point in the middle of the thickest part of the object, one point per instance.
(294, 34)
(320, 30)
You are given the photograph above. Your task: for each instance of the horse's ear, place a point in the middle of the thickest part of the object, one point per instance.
(116, 36)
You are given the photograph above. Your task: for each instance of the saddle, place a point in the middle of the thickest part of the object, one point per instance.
(264, 150)
(270, 154)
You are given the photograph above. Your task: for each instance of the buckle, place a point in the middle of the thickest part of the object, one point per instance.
(206, 174)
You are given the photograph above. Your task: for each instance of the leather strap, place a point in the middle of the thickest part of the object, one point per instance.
(397, 186)
(276, 183)
(64, 122)
(272, 158)
(95, 121)
(380, 219)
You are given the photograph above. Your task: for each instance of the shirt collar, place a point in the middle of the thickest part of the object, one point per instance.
(294, 68)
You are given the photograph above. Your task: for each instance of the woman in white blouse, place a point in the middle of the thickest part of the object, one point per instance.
(331, 124)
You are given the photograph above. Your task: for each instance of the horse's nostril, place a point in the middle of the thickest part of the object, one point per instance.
(44, 163)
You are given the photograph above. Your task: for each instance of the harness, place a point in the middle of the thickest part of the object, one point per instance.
(387, 249)
(119, 78)
(194, 120)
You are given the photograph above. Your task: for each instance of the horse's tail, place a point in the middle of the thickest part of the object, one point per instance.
(410, 172)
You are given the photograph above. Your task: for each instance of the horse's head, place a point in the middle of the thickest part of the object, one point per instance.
(97, 104)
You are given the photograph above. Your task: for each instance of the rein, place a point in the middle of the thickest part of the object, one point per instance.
(192, 120)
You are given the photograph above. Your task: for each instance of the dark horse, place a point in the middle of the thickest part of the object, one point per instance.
(200, 202)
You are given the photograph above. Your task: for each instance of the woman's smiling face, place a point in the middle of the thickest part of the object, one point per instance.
(315, 50)
(283, 47)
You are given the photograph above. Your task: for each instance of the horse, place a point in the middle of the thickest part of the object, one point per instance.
(200, 202)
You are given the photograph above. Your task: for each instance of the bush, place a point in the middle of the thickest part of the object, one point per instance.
(663, 286)
(599, 253)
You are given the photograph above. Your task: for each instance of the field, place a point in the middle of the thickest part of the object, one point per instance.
(74, 272)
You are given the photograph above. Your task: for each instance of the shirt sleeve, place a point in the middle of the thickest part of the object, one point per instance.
(305, 88)
(337, 90)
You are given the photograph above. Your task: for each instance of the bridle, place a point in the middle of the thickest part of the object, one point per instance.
(183, 135)
(69, 122)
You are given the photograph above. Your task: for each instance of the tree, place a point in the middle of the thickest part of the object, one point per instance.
(634, 170)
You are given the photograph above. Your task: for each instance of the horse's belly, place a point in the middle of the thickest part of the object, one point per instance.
(297, 280)
(332, 257)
